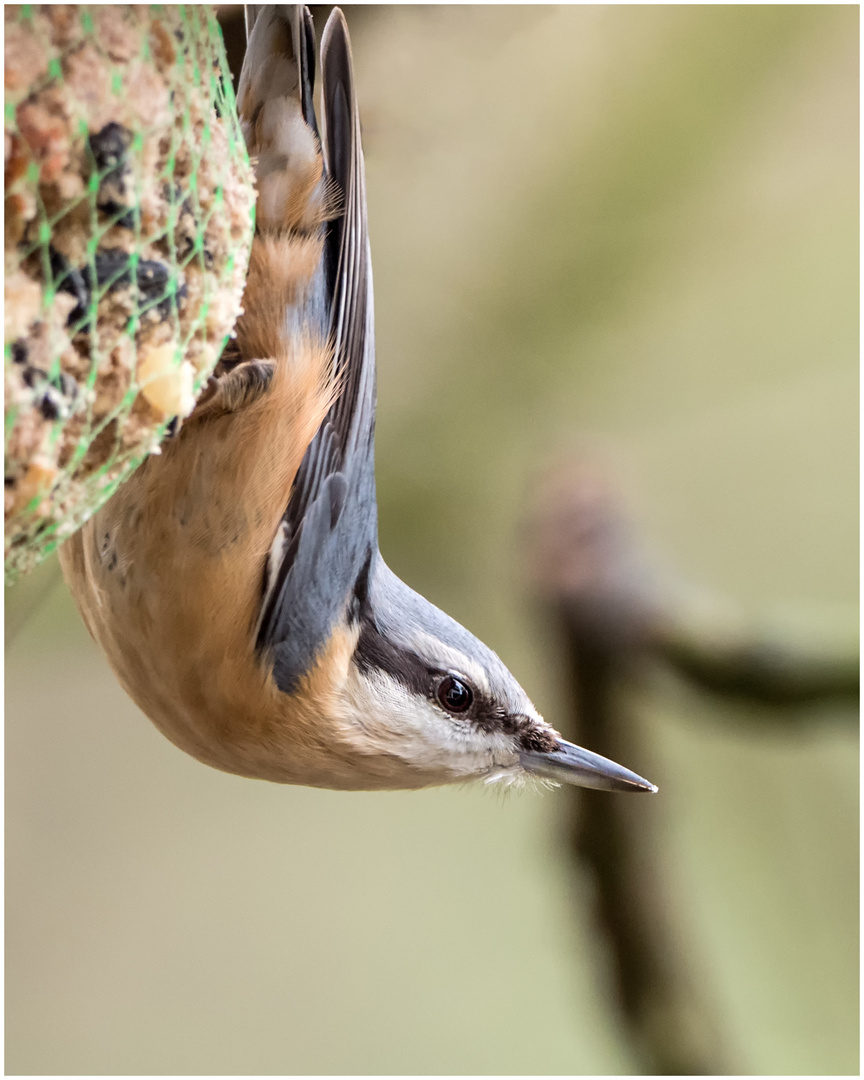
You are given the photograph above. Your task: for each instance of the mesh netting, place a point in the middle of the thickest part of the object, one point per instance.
(129, 217)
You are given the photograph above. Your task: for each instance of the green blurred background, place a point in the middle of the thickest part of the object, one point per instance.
(632, 229)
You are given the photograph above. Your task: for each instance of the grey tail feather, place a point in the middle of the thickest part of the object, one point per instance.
(346, 246)
(306, 52)
(299, 18)
(337, 80)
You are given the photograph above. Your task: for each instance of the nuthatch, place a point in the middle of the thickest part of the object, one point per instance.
(235, 581)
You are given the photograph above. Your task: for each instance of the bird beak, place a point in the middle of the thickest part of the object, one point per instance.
(571, 764)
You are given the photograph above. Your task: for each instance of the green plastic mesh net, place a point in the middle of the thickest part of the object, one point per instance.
(129, 212)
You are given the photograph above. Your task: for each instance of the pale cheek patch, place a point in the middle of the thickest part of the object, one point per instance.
(388, 719)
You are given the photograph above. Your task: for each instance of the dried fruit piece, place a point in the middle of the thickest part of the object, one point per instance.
(165, 383)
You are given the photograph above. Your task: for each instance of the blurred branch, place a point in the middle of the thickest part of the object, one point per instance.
(764, 671)
(671, 1026)
(588, 564)
(615, 613)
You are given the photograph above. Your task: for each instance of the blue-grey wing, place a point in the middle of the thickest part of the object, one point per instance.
(330, 525)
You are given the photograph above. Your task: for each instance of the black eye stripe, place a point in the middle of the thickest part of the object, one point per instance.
(376, 653)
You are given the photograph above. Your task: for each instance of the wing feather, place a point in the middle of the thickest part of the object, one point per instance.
(330, 524)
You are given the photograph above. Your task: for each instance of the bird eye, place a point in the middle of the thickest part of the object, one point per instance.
(454, 695)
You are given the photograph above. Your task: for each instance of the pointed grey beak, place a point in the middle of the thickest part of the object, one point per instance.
(572, 765)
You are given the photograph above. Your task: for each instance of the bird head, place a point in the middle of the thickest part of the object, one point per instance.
(426, 693)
